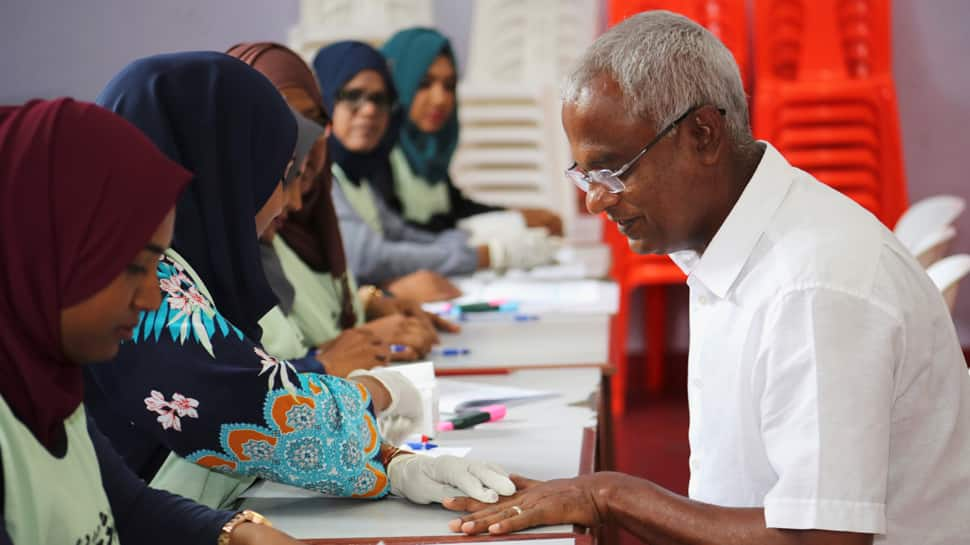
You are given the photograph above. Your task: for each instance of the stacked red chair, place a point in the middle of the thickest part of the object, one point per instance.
(826, 99)
(726, 19)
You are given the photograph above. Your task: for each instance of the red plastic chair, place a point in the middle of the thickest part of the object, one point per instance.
(652, 273)
(849, 126)
(811, 40)
(826, 98)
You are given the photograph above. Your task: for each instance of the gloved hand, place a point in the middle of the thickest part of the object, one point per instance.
(405, 414)
(423, 479)
(531, 249)
(501, 224)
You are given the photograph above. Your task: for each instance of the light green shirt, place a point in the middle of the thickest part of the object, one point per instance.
(281, 336)
(316, 305)
(48, 499)
(420, 200)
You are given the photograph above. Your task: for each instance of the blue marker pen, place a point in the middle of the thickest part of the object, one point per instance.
(450, 351)
(421, 446)
(499, 317)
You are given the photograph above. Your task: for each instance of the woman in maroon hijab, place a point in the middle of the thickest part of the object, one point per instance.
(86, 209)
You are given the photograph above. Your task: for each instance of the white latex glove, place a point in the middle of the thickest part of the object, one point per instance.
(405, 414)
(533, 248)
(423, 479)
(501, 224)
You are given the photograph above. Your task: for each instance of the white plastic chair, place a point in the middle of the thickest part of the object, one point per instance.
(512, 149)
(934, 246)
(323, 22)
(927, 218)
(947, 274)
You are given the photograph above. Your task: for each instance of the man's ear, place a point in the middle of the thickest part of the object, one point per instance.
(707, 126)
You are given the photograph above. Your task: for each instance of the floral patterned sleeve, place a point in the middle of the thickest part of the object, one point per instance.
(192, 381)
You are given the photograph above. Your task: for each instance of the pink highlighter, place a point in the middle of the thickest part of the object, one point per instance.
(490, 413)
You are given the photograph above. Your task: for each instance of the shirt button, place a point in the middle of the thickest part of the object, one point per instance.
(702, 299)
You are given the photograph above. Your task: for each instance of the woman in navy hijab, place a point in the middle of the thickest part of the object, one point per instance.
(194, 384)
(359, 97)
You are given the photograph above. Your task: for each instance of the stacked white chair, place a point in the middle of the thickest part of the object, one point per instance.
(947, 274)
(926, 228)
(323, 22)
(512, 149)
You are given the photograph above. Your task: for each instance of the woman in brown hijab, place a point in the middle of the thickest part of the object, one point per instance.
(307, 248)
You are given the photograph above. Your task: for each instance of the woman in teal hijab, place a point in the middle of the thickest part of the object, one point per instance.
(423, 67)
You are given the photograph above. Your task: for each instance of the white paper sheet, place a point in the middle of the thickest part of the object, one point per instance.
(455, 395)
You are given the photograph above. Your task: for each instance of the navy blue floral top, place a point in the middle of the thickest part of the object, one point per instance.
(191, 382)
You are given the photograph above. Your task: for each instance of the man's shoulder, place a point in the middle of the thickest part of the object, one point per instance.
(819, 237)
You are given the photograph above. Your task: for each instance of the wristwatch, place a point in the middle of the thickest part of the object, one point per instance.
(245, 515)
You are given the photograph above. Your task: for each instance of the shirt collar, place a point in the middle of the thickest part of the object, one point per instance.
(721, 263)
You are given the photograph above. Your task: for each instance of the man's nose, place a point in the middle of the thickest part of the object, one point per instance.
(599, 199)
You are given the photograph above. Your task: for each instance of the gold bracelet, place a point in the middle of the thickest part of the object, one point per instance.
(245, 515)
(390, 453)
(368, 294)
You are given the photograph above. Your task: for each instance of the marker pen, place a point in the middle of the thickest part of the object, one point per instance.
(479, 307)
(448, 352)
(490, 413)
(498, 317)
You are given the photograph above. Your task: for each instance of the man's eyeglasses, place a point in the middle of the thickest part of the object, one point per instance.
(355, 98)
(610, 179)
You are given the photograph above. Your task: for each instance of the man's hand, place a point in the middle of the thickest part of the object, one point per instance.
(653, 514)
(537, 503)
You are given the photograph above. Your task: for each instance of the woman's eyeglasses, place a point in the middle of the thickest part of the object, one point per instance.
(355, 98)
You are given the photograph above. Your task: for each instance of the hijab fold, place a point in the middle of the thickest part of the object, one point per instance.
(410, 54)
(313, 232)
(81, 192)
(227, 123)
(307, 134)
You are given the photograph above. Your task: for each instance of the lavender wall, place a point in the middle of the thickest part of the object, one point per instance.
(53, 48)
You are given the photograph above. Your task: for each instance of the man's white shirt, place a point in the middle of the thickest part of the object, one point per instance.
(825, 379)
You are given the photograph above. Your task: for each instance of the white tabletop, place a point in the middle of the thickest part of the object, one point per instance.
(558, 339)
(542, 440)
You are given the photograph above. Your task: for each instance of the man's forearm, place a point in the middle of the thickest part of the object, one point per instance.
(660, 517)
